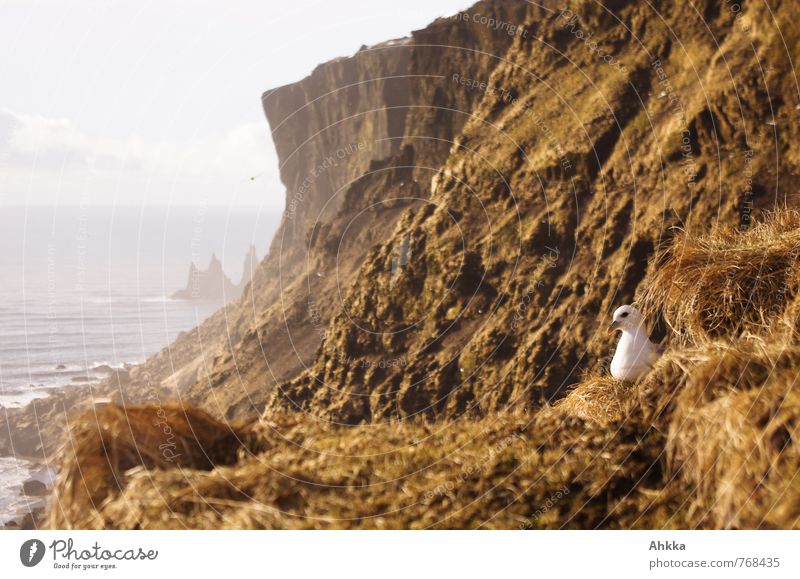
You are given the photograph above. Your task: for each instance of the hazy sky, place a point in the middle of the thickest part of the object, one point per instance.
(158, 102)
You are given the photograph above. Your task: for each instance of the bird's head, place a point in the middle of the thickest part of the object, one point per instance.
(625, 318)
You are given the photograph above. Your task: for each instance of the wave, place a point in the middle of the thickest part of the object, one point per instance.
(78, 348)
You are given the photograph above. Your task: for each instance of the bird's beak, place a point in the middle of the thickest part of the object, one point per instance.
(611, 328)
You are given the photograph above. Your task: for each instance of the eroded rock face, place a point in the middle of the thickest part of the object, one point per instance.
(527, 160)
(330, 126)
(358, 146)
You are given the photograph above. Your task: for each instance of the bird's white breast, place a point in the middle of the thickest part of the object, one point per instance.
(634, 357)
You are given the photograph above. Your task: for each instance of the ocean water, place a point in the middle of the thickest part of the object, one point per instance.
(82, 288)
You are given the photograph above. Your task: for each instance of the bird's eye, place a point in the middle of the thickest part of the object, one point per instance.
(624, 315)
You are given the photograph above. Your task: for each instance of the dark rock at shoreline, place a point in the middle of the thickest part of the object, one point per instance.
(61, 367)
(34, 488)
(31, 521)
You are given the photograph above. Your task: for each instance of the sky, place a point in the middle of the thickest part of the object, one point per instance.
(111, 102)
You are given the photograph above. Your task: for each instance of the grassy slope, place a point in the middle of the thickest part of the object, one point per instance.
(708, 439)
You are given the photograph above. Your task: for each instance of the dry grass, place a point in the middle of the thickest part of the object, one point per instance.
(727, 283)
(506, 471)
(705, 441)
(111, 441)
(733, 432)
(729, 398)
(600, 399)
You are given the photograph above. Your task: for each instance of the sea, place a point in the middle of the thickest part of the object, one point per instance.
(87, 289)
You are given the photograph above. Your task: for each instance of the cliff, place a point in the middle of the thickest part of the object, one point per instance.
(359, 142)
(707, 439)
(586, 143)
(349, 137)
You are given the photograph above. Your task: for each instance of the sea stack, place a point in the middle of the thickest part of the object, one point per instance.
(209, 285)
(212, 284)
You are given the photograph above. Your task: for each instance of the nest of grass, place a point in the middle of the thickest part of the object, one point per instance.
(105, 445)
(600, 399)
(727, 283)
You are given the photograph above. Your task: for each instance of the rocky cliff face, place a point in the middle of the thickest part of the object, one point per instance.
(330, 126)
(358, 145)
(465, 206)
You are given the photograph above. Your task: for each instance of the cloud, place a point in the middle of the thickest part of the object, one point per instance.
(45, 160)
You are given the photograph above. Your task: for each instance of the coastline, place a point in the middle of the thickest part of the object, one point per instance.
(35, 431)
(24, 506)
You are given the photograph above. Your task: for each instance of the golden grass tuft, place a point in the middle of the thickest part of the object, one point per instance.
(730, 402)
(733, 435)
(600, 399)
(729, 282)
(105, 445)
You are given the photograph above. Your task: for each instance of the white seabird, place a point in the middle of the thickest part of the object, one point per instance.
(635, 354)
